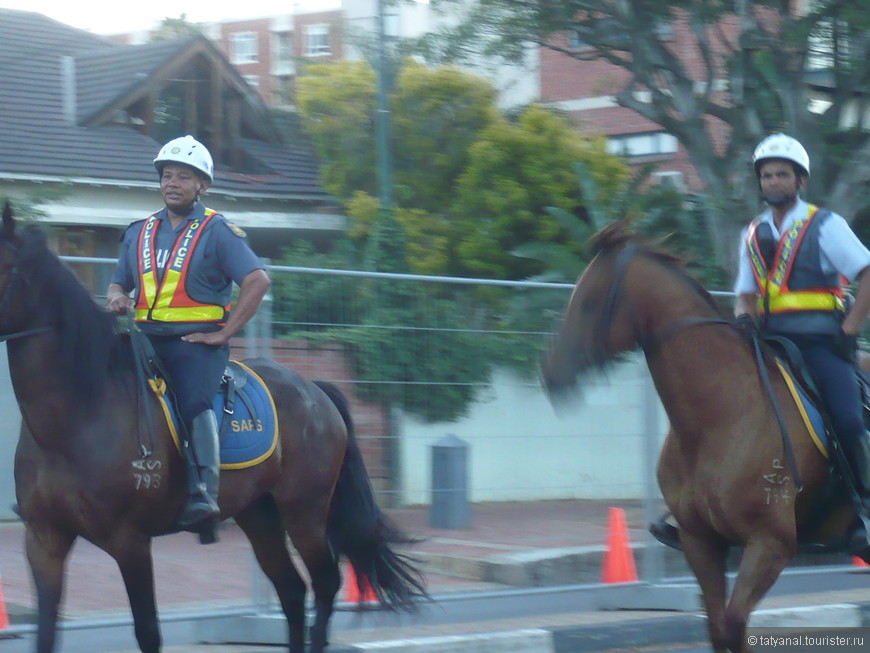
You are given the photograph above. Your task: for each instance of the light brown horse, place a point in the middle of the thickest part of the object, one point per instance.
(724, 470)
(81, 469)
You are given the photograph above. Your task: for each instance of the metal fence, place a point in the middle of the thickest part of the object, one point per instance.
(423, 357)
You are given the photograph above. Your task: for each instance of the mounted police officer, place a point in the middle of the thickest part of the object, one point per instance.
(180, 264)
(793, 260)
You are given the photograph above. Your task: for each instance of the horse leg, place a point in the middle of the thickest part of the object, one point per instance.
(261, 523)
(308, 533)
(762, 562)
(707, 558)
(47, 551)
(134, 560)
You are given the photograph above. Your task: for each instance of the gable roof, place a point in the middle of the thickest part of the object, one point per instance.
(61, 86)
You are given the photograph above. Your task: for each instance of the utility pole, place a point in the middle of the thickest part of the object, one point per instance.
(382, 145)
(382, 123)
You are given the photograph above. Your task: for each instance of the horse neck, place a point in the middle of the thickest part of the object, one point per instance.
(688, 358)
(41, 389)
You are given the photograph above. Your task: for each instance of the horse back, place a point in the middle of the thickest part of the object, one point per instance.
(313, 432)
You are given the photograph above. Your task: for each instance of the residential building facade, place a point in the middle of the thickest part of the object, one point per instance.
(85, 116)
(268, 51)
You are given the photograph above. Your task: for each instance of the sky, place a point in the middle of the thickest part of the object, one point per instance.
(101, 17)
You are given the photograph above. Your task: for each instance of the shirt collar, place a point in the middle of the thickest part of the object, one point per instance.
(799, 211)
(198, 212)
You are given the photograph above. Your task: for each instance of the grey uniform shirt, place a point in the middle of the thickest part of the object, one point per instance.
(221, 257)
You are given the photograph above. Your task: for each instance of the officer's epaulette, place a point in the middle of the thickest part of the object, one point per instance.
(236, 229)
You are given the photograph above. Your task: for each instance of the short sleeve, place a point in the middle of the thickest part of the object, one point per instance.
(236, 257)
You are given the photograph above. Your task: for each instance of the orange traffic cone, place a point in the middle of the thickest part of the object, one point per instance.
(618, 564)
(4, 616)
(859, 562)
(352, 592)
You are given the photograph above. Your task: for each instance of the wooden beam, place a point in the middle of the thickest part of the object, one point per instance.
(216, 106)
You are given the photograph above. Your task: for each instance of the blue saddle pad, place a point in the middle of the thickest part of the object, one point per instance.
(810, 414)
(248, 425)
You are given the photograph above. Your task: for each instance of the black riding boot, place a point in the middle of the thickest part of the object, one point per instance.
(859, 462)
(201, 512)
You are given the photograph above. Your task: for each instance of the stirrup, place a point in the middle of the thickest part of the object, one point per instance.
(196, 512)
(666, 533)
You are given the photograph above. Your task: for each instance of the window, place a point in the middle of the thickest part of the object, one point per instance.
(642, 144)
(575, 41)
(672, 179)
(283, 46)
(663, 29)
(317, 40)
(243, 47)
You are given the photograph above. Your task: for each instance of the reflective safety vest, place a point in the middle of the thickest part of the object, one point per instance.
(799, 298)
(167, 300)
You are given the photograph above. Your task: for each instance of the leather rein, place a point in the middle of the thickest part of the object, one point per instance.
(648, 343)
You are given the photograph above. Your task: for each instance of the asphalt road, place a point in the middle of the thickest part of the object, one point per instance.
(570, 613)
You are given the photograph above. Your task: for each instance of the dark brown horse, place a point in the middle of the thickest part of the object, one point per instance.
(80, 470)
(724, 469)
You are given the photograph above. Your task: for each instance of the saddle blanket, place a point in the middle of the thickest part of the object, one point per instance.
(248, 424)
(810, 414)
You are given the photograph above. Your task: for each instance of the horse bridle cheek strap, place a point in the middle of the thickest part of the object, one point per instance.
(14, 274)
(613, 296)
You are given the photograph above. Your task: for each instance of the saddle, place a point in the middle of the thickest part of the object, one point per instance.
(246, 414)
(840, 474)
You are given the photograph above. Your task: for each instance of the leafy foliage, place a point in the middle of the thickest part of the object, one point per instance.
(430, 367)
(337, 104)
(174, 28)
(718, 76)
(478, 194)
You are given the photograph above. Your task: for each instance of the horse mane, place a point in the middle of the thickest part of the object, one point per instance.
(89, 348)
(618, 234)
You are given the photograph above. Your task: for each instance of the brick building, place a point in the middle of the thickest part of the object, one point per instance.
(586, 91)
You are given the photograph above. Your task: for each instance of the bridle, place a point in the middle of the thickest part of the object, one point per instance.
(4, 299)
(647, 342)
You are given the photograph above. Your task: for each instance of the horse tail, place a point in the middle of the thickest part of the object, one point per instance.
(358, 528)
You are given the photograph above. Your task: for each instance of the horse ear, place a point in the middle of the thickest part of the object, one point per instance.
(8, 220)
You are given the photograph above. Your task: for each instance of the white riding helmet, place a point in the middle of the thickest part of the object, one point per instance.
(780, 146)
(187, 150)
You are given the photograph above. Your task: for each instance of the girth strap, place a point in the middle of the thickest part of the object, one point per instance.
(783, 429)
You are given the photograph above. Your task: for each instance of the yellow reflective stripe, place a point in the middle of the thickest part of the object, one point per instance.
(167, 290)
(188, 314)
(182, 314)
(802, 301)
(149, 272)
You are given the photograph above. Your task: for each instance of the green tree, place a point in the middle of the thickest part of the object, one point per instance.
(174, 28)
(515, 172)
(437, 115)
(691, 67)
(337, 102)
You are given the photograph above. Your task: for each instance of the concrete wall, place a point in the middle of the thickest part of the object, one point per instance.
(520, 449)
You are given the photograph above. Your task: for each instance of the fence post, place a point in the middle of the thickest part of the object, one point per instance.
(450, 508)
